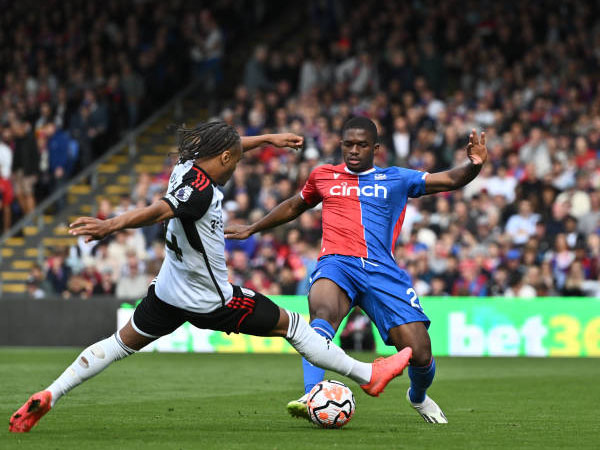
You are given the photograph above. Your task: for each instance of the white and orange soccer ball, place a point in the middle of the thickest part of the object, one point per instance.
(330, 404)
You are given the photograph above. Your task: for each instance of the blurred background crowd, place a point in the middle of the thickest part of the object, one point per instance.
(426, 72)
(76, 75)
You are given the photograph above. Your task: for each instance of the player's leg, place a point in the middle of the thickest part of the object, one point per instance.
(334, 286)
(330, 300)
(93, 360)
(392, 303)
(98, 357)
(421, 371)
(422, 365)
(328, 305)
(152, 319)
(250, 312)
(322, 352)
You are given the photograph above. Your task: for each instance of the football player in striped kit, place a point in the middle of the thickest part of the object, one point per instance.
(363, 212)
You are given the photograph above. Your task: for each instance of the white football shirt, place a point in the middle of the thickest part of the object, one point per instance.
(194, 275)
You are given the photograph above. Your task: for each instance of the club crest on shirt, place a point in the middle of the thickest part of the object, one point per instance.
(183, 194)
(380, 176)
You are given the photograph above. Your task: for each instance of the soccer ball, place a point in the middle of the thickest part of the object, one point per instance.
(330, 404)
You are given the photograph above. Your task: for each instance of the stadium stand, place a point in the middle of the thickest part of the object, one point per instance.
(427, 74)
(68, 93)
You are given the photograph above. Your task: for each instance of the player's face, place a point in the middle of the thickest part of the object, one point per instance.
(230, 159)
(358, 149)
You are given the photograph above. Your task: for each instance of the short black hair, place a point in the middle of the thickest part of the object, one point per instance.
(361, 123)
(205, 140)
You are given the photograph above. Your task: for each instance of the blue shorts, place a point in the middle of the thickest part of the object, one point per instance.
(382, 290)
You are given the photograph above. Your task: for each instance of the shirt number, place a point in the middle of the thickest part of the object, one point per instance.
(172, 245)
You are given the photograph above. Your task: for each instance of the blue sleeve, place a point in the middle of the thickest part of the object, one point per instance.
(414, 180)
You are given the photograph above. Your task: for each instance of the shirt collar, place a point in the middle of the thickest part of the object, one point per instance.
(372, 169)
(204, 172)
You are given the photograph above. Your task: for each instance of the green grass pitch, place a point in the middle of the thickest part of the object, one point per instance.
(206, 401)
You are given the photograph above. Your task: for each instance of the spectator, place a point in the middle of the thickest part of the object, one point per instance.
(518, 288)
(133, 88)
(37, 284)
(401, 139)
(255, 72)
(34, 290)
(425, 93)
(573, 286)
(134, 284)
(6, 200)
(207, 52)
(589, 222)
(85, 73)
(106, 286)
(536, 151)
(6, 153)
(357, 335)
(58, 273)
(26, 163)
(522, 225)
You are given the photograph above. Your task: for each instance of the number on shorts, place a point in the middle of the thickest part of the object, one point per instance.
(414, 300)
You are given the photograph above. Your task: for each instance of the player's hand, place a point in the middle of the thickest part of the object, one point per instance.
(95, 229)
(286, 140)
(238, 231)
(476, 150)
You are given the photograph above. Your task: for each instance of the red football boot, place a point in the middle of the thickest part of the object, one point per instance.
(386, 369)
(31, 412)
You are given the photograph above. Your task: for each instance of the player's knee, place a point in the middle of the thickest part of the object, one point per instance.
(327, 313)
(421, 356)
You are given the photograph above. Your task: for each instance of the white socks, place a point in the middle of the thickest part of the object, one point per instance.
(322, 352)
(314, 347)
(90, 362)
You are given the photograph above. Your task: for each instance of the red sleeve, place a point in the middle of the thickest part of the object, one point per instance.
(310, 193)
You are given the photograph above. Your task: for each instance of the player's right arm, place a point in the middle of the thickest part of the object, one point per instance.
(97, 229)
(282, 213)
(188, 201)
(287, 211)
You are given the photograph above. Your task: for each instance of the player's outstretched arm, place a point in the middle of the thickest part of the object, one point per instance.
(282, 213)
(278, 140)
(462, 175)
(97, 229)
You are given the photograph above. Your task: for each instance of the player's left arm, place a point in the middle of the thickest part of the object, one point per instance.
(278, 140)
(462, 175)
(96, 229)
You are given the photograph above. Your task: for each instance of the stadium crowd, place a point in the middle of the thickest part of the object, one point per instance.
(77, 74)
(427, 73)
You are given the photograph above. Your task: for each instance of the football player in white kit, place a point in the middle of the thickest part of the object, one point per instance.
(193, 282)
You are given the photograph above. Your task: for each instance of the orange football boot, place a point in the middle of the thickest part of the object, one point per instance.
(385, 369)
(31, 412)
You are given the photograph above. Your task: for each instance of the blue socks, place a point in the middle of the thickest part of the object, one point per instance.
(314, 374)
(420, 379)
